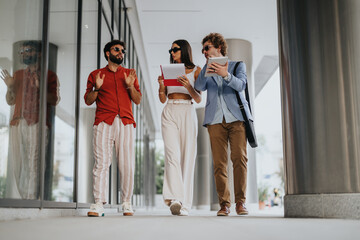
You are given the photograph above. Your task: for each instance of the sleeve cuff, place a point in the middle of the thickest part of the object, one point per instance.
(226, 78)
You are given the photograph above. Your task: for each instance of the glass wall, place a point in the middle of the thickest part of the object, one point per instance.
(89, 56)
(46, 156)
(21, 80)
(59, 171)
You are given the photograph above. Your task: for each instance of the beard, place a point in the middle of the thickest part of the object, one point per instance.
(116, 60)
(29, 60)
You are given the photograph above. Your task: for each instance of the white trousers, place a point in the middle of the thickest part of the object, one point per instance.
(24, 161)
(179, 132)
(105, 137)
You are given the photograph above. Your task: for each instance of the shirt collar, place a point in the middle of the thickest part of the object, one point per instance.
(118, 69)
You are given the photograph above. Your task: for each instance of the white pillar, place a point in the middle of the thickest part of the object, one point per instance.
(203, 166)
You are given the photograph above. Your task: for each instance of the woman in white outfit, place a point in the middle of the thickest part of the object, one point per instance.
(179, 131)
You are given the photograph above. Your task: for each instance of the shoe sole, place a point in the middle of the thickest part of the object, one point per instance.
(242, 213)
(175, 209)
(222, 214)
(95, 214)
(128, 214)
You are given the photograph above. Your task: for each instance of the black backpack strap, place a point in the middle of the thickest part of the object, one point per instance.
(249, 126)
(246, 91)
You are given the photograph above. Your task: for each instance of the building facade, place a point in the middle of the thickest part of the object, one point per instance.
(46, 55)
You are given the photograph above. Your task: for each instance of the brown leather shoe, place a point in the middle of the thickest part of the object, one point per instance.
(224, 211)
(241, 209)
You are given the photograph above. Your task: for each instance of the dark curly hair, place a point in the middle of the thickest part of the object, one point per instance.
(110, 44)
(218, 41)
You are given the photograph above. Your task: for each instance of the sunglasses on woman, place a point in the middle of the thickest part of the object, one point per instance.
(206, 48)
(175, 49)
(116, 49)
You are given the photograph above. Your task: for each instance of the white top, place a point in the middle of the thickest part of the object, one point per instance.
(182, 89)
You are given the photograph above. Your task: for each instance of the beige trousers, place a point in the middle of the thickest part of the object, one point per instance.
(179, 131)
(105, 137)
(221, 135)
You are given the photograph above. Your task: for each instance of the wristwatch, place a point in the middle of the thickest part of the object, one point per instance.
(227, 77)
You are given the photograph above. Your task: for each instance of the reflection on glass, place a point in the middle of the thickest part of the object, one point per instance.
(87, 113)
(59, 171)
(23, 95)
(63, 168)
(4, 139)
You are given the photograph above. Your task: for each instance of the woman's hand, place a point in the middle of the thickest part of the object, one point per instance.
(161, 80)
(184, 81)
(162, 90)
(161, 83)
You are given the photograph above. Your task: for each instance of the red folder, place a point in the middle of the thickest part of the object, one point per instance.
(169, 82)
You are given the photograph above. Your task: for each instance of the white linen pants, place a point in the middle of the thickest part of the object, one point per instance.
(179, 132)
(24, 163)
(105, 137)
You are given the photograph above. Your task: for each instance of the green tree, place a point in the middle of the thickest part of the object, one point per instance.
(2, 186)
(263, 192)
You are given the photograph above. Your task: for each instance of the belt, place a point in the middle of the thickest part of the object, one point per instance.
(179, 101)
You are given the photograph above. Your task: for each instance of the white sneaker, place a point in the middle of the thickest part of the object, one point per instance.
(175, 207)
(127, 209)
(184, 212)
(96, 210)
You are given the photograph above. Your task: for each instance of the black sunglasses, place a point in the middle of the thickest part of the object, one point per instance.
(175, 49)
(26, 50)
(116, 49)
(206, 48)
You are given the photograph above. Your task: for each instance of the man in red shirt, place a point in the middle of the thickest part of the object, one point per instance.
(23, 93)
(113, 88)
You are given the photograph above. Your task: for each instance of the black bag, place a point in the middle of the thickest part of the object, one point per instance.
(249, 124)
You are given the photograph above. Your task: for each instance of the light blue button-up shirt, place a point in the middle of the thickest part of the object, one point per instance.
(222, 110)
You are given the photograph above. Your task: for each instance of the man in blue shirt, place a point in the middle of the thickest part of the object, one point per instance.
(224, 121)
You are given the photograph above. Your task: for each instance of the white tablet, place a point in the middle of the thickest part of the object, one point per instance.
(219, 60)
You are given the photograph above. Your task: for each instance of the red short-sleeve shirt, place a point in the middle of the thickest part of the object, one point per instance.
(113, 98)
(27, 92)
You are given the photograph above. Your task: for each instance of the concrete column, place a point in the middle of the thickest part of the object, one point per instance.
(320, 78)
(241, 50)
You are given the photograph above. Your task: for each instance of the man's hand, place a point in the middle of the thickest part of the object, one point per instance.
(36, 77)
(99, 80)
(129, 80)
(221, 70)
(9, 81)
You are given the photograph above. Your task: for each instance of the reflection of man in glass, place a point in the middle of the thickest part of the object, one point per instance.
(23, 92)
